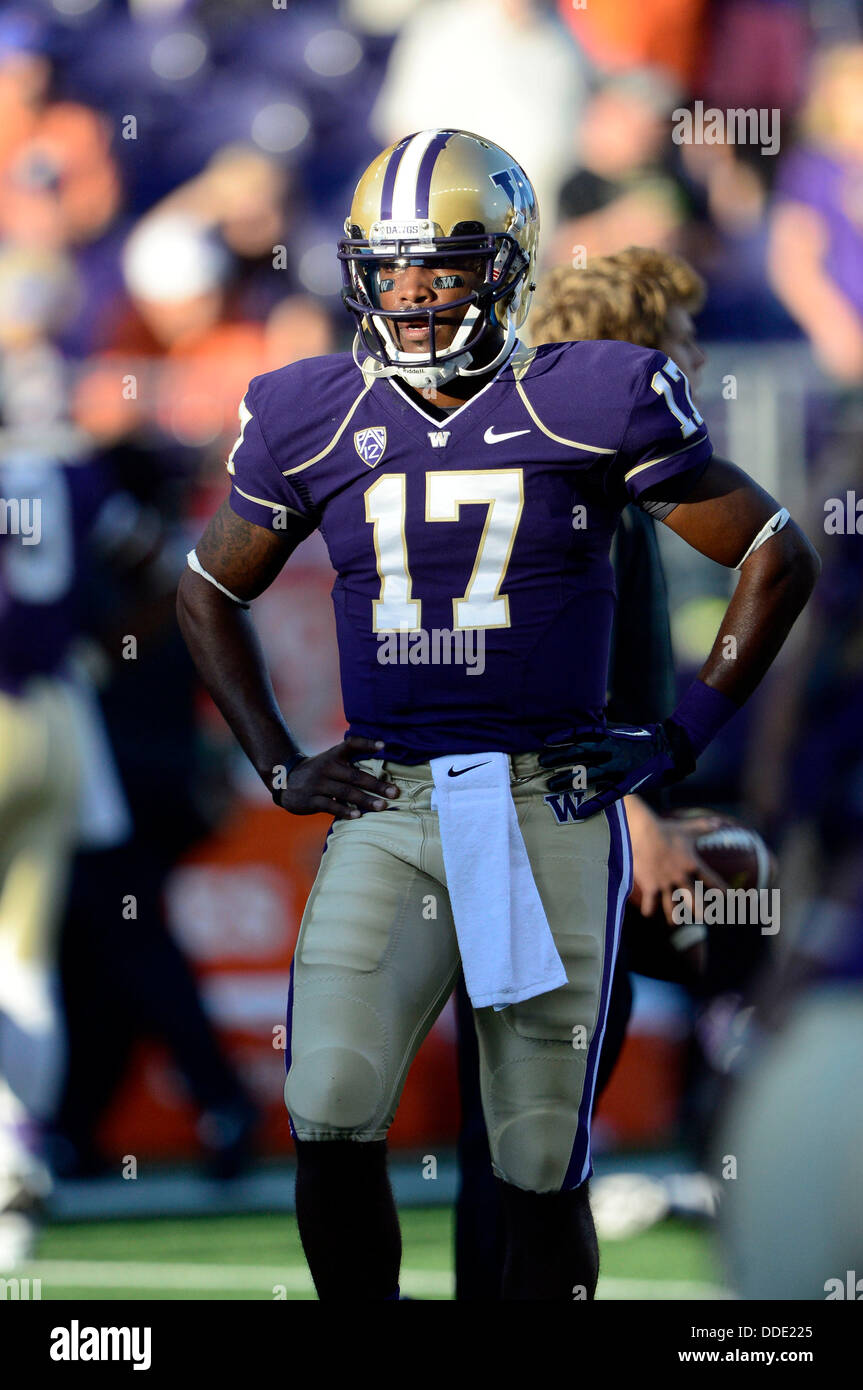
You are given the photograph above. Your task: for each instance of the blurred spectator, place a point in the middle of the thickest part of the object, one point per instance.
(808, 729)
(174, 361)
(726, 236)
(624, 190)
(59, 183)
(501, 68)
(816, 236)
(242, 195)
(175, 271)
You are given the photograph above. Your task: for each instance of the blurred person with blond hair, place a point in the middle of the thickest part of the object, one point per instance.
(815, 258)
(639, 295)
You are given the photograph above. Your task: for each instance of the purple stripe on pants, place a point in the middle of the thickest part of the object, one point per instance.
(619, 863)
(290, 1023)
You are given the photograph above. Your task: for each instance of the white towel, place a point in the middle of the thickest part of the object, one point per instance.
(507, 949)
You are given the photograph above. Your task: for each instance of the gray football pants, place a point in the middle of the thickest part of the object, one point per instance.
(377, 957)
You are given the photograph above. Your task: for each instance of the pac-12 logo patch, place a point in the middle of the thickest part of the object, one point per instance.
(370, 444)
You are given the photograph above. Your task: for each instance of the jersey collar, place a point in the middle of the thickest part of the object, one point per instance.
(389, 387)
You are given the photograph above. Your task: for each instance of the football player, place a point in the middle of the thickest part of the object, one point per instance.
(465, 483)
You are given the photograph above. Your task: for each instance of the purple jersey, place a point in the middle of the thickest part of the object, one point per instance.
(474, 592)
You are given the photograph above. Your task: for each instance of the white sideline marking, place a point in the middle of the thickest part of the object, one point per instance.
(146, 1274)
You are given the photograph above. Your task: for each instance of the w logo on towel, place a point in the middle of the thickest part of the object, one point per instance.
(564, 805)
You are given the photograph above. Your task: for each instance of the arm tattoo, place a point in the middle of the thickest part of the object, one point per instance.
(243, 557)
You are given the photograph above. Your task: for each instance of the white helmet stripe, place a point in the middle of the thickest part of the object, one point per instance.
(405, 190)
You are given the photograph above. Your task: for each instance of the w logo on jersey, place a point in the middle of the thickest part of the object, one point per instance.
(439, 438)
(370, 444)
(564, 805)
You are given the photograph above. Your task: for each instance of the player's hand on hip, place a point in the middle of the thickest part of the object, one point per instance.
(621, 758)
(331, 782)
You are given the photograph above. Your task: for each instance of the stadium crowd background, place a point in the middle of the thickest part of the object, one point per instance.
(174, 175)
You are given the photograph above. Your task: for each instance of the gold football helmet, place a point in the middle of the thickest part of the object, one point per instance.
(449, 196)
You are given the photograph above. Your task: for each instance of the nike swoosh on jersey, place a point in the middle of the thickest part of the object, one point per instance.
(491, 438)
(462, 770)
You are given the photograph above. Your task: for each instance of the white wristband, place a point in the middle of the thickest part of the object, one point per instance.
(770, 528)
(195, 564)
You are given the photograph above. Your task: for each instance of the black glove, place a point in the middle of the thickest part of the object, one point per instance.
(619, 759)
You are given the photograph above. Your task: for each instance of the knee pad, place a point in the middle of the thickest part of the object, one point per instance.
(533, 1150)
(333, 1089)
(532, 1113)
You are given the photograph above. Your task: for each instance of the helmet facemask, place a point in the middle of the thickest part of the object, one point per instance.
(485, 308)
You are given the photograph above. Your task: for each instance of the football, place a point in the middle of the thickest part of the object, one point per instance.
(735, 853)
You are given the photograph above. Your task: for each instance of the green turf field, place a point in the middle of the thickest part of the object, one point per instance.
(259, 1257)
